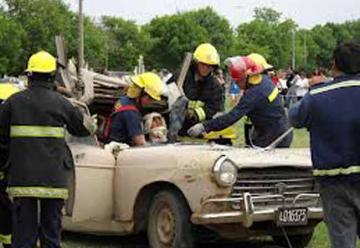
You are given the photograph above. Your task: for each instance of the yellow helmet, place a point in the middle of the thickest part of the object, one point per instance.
(207, 54)
(151, 83)
(42, 62)
(6, 90)
(260, 60)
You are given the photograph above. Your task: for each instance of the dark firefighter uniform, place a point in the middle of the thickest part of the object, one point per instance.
(5, 204)
(126, 121)
(206, 95)
(33, 124)
(329, 112)
(6, 90)
(263, 106)
(334, 124)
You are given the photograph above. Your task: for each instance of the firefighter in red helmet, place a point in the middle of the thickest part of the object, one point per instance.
(260, 102)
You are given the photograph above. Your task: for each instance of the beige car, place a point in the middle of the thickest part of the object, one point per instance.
(183, 193)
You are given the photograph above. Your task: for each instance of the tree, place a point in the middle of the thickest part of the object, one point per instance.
(268, 15)
(10, 45)
(219, 32)
(125, 43)
(41, 20)
(266, 35)
(325, 40)
(95, 41)
(172, 36)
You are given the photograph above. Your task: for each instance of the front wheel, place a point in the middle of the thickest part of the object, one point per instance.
(169, 222)
(297, 241)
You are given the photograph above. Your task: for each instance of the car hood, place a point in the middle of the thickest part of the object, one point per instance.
(206, 153)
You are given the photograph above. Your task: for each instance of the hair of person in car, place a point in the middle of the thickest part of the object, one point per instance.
(347, 57)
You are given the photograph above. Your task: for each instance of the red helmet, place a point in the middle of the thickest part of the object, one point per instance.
(241, 66)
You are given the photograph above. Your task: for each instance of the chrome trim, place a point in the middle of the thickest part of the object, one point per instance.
(305, 195)
(218, 163)
(248, 215)
(217, 167)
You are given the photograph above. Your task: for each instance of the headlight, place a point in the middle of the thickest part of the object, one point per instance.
(225, 172)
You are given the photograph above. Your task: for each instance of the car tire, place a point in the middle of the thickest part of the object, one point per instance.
(297, 241)
(169, 223)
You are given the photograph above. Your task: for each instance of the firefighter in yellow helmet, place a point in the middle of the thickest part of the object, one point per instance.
(203, 86)
(33, 123)
(6, 90)
(260, 102)
(143, 95)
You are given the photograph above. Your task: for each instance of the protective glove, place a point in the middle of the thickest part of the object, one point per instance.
(196, 130)
(90, 123)
(191, 115)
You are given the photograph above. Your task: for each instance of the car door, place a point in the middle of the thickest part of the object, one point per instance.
(92, 197)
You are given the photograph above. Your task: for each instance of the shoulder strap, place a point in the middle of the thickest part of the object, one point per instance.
(125, 108)
(118, 109)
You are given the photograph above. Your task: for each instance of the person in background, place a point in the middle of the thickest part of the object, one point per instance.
(318, 77)
(302, 86)
(329, 112)
(282, 83)
(235, 93)
(274, 77)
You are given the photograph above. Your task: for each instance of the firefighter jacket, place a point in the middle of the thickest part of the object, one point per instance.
(33, 123)
(4, 152)
(206, 95)
(125, 121)
(262, 104)
(329, 112)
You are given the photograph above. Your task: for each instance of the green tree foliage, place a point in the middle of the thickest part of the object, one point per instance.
(172, 36)
(307, 50)
(10, 45)
(41, 20)
(267, 15)
(218, 30)
(114, 43)
(125, 43)
(326, 42)
(267, 35)
(95, 41)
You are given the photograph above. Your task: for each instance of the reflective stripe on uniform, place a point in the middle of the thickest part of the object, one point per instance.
(2, 175)
(5, 239)
(338, 171)
(200, 113)
(195, 104)
(350, 83)
(273, 95)
(37, 131)
(39, 192)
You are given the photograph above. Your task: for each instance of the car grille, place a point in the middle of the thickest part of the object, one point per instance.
(268, 181)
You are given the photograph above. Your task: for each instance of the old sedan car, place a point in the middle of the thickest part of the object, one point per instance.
(180, 193)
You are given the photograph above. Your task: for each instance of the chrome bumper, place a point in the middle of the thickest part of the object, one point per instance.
(248, 213)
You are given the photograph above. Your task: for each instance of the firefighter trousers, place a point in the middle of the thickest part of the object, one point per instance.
(36, 218)
(5, 219)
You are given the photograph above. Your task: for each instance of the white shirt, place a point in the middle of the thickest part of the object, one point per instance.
(302, 87)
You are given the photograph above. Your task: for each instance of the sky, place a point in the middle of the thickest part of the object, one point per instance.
(306, 13)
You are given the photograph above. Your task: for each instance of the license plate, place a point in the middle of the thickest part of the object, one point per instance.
(291, 217)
